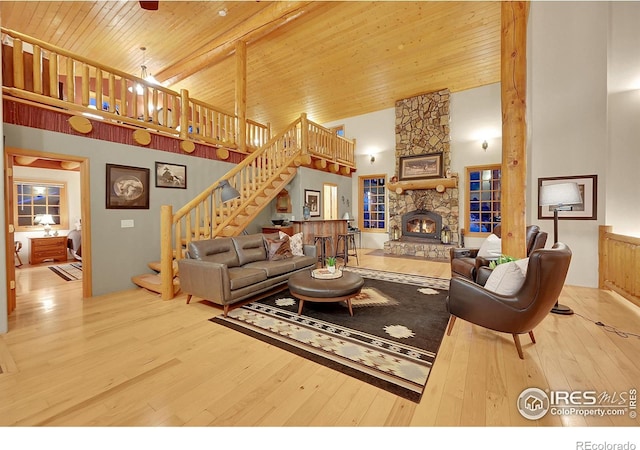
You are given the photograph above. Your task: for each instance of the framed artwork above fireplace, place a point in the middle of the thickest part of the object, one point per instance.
(419, 167)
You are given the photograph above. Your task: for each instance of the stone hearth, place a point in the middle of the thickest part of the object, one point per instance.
(421, 249)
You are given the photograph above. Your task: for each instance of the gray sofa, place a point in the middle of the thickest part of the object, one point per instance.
(228, 270)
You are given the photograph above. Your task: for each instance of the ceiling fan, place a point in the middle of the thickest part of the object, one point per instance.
(150, 6)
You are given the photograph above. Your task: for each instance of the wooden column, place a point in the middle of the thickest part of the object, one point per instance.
(514, 128)
(241, 94)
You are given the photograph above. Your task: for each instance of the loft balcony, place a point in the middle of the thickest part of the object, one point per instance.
(37, 73)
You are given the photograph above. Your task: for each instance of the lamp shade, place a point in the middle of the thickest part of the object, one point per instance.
(228, 192)
(560, 194)
(46, 219)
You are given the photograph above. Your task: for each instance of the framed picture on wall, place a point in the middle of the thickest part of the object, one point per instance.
(127, 187)
(421, 166)
(587, 210)
(171, 175)
(312, 198)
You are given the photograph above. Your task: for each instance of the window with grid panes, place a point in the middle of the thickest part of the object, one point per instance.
(31, 199)
(373, 197)
(483, 198)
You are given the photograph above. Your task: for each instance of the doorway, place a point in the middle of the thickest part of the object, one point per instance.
(330, 204)
(15, 157)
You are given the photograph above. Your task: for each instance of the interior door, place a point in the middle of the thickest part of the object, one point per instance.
(8, 212)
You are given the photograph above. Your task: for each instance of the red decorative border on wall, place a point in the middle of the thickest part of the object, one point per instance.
(28, 115)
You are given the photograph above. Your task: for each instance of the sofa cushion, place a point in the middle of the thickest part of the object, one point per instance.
(274, 235)
(250, 248)
(278, 249)
(219, 250)
(274, 268)
(295, 242)
(304, 261)
(240, 277)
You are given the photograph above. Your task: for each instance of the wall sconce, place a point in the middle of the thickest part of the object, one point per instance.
(373, 159)
(485, 145)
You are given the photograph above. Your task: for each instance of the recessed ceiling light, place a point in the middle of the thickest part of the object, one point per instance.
(222, 12)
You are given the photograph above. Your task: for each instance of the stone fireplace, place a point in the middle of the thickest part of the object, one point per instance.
(420, 213)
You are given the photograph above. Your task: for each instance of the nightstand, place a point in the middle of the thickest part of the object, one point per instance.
(41, 249)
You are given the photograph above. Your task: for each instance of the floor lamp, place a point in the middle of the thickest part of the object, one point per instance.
(228, 192)
(560, 197)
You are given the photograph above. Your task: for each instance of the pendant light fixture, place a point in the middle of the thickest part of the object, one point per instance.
(143, 74)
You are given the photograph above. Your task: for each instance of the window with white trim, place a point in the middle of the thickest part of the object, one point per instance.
(33, 198)
(482, 211)
(373, 203)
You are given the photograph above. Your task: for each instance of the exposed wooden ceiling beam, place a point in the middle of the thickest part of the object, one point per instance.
(221, 47)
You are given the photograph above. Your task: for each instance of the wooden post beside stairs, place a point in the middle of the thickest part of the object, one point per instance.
(166, 254)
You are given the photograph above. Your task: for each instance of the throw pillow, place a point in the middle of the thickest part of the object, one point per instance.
(295, 242)
(507, 279)
(491, 247)
(279, 249)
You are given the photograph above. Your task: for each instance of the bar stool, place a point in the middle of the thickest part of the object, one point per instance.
(324, 240)
(348, 247)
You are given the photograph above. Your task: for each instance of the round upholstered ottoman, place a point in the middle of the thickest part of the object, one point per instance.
(304, 287)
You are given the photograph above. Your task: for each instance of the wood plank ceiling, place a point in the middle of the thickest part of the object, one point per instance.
(331, 60)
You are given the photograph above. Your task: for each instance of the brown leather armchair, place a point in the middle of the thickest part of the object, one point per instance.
(465, 262)
(518, 313)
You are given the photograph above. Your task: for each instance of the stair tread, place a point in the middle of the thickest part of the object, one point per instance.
(153, 282)
(157, 266)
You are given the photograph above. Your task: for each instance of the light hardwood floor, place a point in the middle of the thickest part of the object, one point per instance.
(130, 358)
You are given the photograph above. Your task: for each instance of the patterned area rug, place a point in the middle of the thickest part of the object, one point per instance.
(70, 272)
(390, 342)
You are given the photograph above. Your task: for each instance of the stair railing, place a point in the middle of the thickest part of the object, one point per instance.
(206, 217)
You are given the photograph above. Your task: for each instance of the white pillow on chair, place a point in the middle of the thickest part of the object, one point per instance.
(491, 247)
(507, 278)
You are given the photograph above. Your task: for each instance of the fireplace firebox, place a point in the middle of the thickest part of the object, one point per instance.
(422, 224)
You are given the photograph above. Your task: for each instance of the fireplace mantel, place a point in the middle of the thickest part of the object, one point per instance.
(439, 184)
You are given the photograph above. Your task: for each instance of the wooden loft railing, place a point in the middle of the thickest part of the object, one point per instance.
(619, 263)
(328, 146)
(46, 74)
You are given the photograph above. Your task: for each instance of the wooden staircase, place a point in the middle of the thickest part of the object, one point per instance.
(259, 178)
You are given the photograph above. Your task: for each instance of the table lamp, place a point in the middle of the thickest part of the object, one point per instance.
(560, 197)
(47, 221)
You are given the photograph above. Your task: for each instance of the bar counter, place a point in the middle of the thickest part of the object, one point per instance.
(312, 228)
